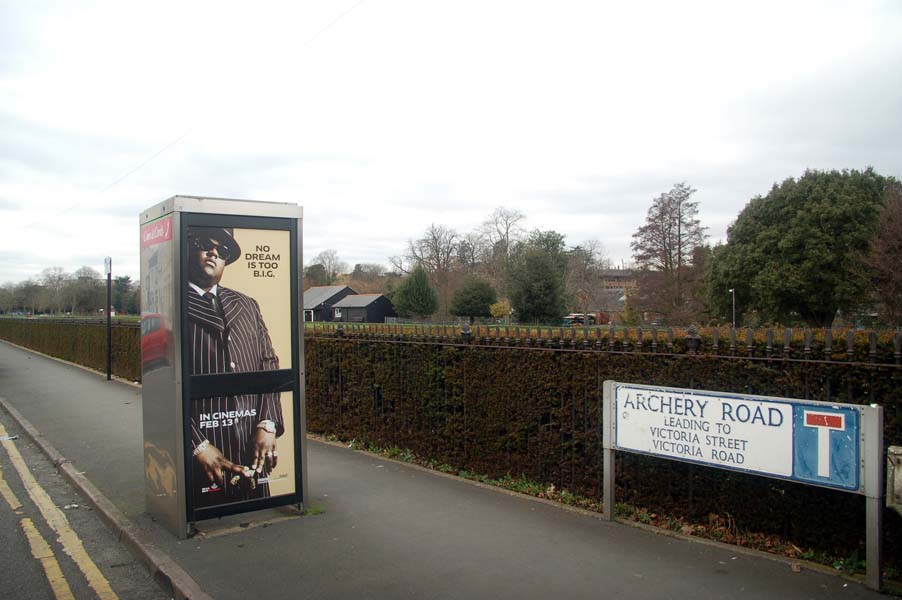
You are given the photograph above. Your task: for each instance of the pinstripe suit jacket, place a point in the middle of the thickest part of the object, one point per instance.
(234, 340)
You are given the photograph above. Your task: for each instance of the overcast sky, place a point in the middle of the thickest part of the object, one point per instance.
(383, 116)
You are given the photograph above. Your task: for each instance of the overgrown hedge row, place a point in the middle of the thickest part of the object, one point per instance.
(536, 412)
(533, 409)
(846, 344)
(81, 343)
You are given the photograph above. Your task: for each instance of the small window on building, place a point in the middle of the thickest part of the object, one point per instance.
(308, 315)
(337, 313)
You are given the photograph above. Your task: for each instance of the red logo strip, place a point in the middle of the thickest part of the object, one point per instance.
(156, 232)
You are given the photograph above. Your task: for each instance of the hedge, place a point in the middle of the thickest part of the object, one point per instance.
(535, 412)
(79, 342)
(526, 402)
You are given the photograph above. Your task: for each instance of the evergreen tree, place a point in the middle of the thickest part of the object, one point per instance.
(537, 291)
(793, 254)
(414, 297)
(122, 286)
(473, 299)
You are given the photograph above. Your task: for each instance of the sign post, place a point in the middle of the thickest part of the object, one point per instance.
(222, 358)
(832, 445)
(108, 267)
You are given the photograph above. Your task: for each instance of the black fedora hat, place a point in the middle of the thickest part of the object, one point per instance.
(223, 235)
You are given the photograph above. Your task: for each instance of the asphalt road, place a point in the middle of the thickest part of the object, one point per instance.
(31, 549)
(387, 530)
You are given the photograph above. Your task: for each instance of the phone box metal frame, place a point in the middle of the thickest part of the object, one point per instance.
(168, 386)
(827, 444)
(894, 478)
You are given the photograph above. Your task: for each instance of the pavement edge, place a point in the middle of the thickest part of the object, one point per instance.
(168, 574)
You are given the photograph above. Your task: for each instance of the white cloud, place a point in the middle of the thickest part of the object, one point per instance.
(400, 114)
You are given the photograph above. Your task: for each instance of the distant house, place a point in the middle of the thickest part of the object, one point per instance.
(318, 301)
(619, 280)
(363, 308)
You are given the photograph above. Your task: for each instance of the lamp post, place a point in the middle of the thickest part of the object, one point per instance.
(733, 291)
(108, 267)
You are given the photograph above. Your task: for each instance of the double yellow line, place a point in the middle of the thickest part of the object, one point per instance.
(58, 522)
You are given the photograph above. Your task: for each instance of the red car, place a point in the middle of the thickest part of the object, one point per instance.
(154, 340)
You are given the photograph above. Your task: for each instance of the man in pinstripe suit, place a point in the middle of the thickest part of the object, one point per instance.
(233, 437)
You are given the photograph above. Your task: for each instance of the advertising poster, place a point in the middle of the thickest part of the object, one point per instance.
(239, 321)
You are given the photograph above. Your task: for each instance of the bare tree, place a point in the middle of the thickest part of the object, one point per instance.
(668, 239)
(29, 296)
(86, 290)
(368, 278)
(400, 265)
(331, 263)
(435, 251)
(7, 297)
(54, 280)
(501, 231)
(884, 256)
(471, 253)
(586, 264)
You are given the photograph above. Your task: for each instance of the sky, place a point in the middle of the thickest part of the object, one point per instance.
(381, 117)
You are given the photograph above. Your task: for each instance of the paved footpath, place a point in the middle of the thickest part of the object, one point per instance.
(388, 530)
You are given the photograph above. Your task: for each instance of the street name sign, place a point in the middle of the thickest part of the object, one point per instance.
(811, 442)
(827, 444)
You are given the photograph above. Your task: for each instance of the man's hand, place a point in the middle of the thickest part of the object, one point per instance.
(265, 454)
(213, 464)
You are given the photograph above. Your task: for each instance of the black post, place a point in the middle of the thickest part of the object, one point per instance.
(109, 323)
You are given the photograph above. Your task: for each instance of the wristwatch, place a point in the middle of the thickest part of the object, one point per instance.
(267, 425)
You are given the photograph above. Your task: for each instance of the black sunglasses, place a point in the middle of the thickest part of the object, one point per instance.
(207, 245)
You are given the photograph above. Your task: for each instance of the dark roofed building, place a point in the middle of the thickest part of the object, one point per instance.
(318, 301)
(363, 308)
(621, 280)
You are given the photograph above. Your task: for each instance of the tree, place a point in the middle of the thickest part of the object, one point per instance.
(316, 275)
(501, 231)
(122, 286)
(586, 264)
(7, 297)
(473, 299)
(553, 244)
(435, 252)
(655, 291)
(470, 252)
(414, 297)
(54, 280)
(87, 291)
(792, 255)
(883, 258)
(28, 296)
(368, 278)
(501, 310)
(133, 300)
(630, 315)
(331, 264)
(537, 288)
(666, 243)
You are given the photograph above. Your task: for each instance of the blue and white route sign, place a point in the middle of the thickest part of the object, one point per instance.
(832, 445)
(817, 443)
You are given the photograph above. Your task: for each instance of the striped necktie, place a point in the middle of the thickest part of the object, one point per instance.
(217, 309)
